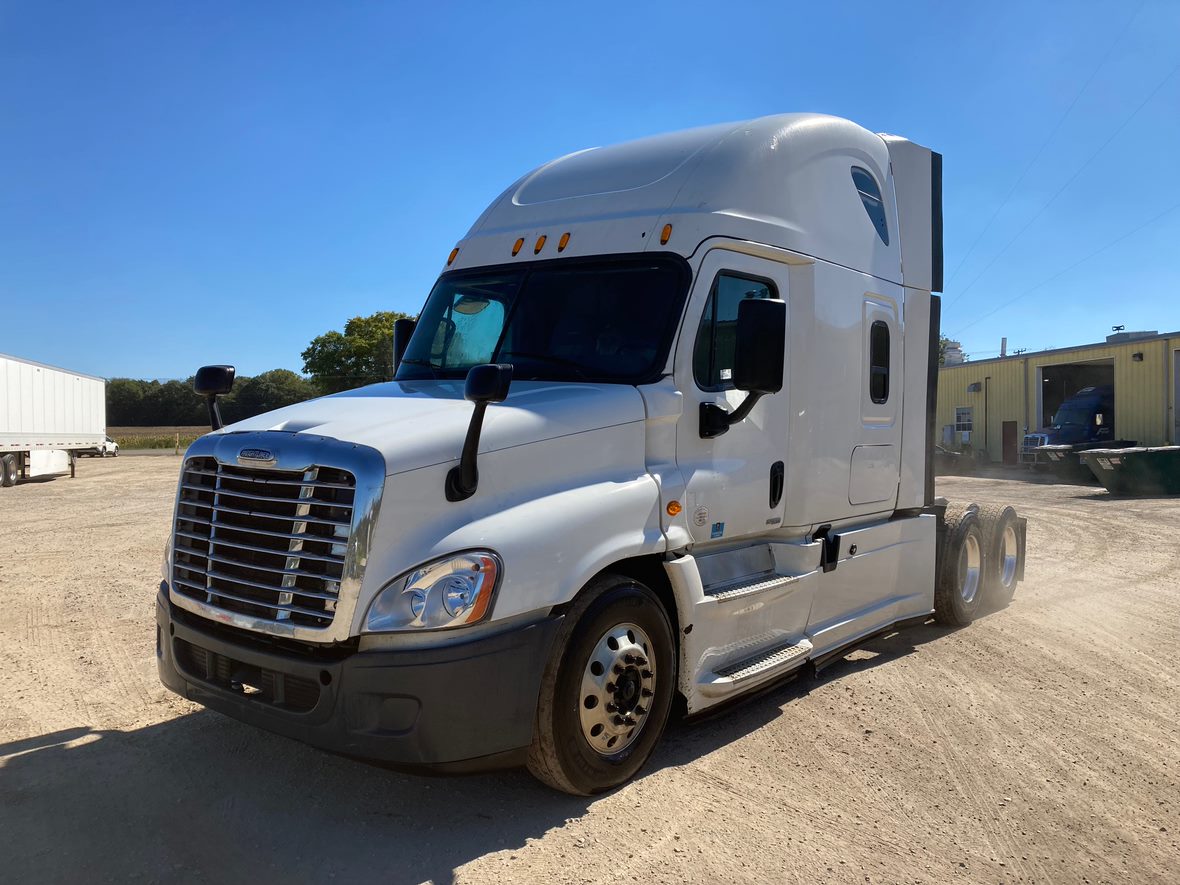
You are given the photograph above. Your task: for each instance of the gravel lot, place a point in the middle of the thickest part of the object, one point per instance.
(1040, 744)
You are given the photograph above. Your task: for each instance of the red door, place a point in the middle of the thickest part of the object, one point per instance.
(1011, 443)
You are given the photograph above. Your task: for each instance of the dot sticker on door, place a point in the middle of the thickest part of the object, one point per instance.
(701, 516)
(718, 530)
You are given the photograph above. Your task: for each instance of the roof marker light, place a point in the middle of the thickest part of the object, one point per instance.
(517, 246)
(665, 234)
(563, 242)
(540, 244)
(453, 255)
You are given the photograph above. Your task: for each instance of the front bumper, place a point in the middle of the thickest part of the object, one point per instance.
(456, 708)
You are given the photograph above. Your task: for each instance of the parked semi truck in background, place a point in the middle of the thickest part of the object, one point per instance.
(46, 415)
(695, 458)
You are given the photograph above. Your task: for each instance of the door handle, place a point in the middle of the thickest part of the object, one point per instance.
(776, 483)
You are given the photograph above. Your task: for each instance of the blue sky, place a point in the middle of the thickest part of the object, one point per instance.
(185, 183)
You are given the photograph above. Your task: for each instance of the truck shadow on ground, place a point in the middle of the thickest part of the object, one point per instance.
(204, 796)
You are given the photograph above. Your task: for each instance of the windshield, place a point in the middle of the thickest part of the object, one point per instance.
(606, 320)
(1073, 415)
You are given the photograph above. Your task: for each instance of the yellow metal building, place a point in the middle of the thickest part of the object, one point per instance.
(991, 404)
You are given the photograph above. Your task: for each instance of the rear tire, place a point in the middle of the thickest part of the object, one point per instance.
(1001, 553)
(958, 591)
(607, 689)
(8, 470)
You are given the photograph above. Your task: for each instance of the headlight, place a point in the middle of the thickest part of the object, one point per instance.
(450, 592)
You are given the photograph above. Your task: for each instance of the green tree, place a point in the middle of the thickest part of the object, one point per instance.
(362, 354)
(266, 392)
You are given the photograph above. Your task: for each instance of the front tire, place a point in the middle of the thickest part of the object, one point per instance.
(607, 689)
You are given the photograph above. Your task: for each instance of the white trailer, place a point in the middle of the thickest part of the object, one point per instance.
(46, 415)
(699, 460)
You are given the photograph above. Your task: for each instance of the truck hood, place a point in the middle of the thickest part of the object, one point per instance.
(420, 423)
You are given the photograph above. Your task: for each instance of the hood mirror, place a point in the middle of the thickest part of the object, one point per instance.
(485, 384)
(212, 382)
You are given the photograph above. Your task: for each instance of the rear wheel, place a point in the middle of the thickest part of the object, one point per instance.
(607, 689)
(8, 470)
(960, 581)
(1001, 553)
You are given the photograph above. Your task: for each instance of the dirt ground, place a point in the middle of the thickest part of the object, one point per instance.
(1039, 744)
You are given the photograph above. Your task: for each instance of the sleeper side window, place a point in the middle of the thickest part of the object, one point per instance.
(712, 359)
(879, 362)
(870, 197)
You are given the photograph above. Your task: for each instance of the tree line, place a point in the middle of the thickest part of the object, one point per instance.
(335, 361)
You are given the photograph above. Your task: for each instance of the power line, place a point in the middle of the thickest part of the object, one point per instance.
(1066, 270)
(1008, 197)
(1070, 181)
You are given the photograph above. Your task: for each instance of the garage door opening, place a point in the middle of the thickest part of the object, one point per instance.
(1095, 411)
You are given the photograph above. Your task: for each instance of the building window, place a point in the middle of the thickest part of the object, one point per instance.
(870, 196)
(879, 362)
(963, 420)
(712, 359)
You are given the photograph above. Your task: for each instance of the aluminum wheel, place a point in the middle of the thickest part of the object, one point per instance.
(970, 562)
(617, 689)
(1010, 551)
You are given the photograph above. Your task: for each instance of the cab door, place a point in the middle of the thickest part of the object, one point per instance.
(733, 482)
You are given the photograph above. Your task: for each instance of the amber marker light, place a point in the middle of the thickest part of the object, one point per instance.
(673, 508)
(516, 247)
(665, 234)
(563, 242)
(454, 254)
(540, 244)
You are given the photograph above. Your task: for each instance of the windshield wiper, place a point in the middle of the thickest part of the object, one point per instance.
(427, 363)
(557, 360)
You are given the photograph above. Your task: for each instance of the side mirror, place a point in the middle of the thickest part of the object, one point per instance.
(761, 341)
(488, 383)
(402, 331)
(212, 382)
(485, 384)
(761, 338)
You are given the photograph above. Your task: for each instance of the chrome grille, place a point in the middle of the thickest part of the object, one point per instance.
(265, 543)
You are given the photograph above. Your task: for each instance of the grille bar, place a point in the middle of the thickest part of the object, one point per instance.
(279, 563)
(262, 514)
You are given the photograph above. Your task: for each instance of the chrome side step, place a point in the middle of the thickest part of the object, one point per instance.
(777, 661)
(749, 585)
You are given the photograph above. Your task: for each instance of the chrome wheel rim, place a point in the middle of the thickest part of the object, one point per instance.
(969, 565)
(1010, 553)
(618, 688)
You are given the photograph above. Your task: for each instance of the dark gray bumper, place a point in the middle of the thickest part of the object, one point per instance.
(455, 708)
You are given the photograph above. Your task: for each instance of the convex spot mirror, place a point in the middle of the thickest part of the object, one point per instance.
(488, 383)
(213, 380)
(761, 341)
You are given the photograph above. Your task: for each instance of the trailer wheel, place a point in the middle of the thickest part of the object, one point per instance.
(607, 689)
(1001, 554)
(8, 472)
(960, 581)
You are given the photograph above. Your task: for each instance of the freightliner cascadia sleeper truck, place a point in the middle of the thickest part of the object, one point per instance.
(661, 436)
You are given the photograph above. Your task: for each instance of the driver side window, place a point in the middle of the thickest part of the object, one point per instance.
(713, 355)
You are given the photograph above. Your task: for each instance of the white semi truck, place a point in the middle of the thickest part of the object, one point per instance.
(46, 415)
(662, 435)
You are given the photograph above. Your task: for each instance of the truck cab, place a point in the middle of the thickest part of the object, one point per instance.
(661, 435)
(1085, 417)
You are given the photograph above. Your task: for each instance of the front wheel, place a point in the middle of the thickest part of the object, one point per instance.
(607, 689)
